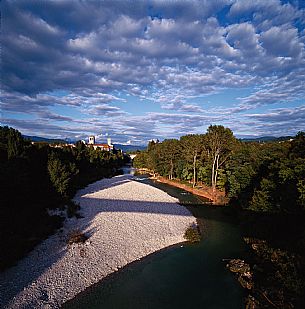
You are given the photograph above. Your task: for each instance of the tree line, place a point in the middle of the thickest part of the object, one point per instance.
(258, 176)
(36, 178)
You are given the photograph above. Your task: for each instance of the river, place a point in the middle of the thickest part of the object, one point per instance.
(182, 276)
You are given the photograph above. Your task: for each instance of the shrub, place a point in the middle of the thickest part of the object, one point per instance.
(72, 209)
(76, 237)
(61, 173)
(192, 234)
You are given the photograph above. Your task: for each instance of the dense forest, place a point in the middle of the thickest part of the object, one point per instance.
(264, 185)
(258, 176)
(38, 178)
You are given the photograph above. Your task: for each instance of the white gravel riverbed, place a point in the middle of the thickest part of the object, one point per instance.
(124, 219)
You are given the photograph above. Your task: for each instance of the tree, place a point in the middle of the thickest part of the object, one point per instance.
(298, 145)
(242, 168)
(140, 161)
(152, 156)
(12, 141)
(60, 173)
(169, 152)
(262, 199)
(219, 142)
(192, 147)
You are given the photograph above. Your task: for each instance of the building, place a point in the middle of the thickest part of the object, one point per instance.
(105, 147)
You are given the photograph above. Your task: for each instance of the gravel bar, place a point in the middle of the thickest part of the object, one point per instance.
(123, 219)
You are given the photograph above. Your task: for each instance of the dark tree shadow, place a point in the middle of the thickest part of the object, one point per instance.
(16, 278)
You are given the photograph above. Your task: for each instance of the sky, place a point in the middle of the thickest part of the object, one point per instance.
(141, 70)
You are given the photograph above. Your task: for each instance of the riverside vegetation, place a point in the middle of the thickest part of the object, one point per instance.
(36, 179)
(265, 188)
(264, 183)
(192, 234)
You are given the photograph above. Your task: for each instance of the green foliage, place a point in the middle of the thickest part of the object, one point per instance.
(140, 161)
(220, 143)
(241, 169)
(192, 148)
(61, 173)
(204, 174)
(301, 190)
(192, 234)
(297, 149)
(222, 178)
(267, 177)
(169, 154)
(187, 172)
(11, 143)
(195, 157)
(262, 197)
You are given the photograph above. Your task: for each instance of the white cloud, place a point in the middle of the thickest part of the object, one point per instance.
(170, 53)
(282, 42)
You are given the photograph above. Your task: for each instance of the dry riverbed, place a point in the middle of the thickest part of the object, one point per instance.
(124, 220)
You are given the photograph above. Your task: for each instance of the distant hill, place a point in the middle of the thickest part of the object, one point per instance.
(267, 139)
(129, 148)
(46, 140)
(133, 148)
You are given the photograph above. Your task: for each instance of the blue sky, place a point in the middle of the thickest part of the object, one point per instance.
(137, 70)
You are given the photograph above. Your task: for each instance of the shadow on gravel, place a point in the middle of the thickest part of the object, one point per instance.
(119, 206)
(15, 279)
(38, 261)
(105, 183)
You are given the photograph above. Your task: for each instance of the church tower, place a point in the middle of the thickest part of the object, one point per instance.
(91, 140)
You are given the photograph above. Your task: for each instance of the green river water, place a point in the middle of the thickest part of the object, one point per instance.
(182, 276)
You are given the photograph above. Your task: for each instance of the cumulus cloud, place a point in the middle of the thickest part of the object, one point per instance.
(282, 115)
(243, 37)
(169, 53)
(282, 42)
(106, 110)
(281, 121)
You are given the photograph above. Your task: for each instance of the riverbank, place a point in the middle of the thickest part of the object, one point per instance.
(217, 197)
(124, 220)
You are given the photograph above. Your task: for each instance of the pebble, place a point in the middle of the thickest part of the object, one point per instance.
(125, 221)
